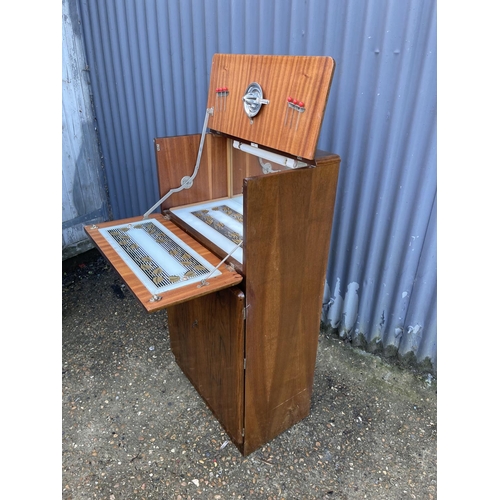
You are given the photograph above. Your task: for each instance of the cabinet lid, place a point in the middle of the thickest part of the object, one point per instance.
(159, 262)
(274, 101)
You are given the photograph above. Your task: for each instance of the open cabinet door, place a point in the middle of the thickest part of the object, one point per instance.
(160, 263)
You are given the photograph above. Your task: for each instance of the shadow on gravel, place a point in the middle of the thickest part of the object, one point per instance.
(133, 427)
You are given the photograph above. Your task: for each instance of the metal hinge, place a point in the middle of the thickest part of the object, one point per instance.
(244, 363)
(157, 147)
(243, 432)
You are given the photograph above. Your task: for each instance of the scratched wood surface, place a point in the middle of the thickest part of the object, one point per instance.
(176, 158)
(227, 279)
(206, 335)
(306, 79)
(287, 226)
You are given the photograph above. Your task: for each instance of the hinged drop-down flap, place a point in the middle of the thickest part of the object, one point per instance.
(159, 262)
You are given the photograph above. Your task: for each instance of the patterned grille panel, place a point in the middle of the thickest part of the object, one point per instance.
(158, 254)
(221, 228)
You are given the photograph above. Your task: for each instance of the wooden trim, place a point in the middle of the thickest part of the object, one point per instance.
(325, 157)
(230, 169)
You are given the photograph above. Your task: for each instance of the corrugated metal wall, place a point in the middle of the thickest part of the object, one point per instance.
(83, 187)
(150, 64)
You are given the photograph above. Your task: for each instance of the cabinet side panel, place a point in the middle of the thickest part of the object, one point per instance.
(288, 218)
(206, 336)
(176, 158)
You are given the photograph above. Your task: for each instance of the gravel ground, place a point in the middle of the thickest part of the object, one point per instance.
(133, 427)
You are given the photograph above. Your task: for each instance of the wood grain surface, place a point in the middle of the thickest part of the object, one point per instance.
(287, 226)
(245, 165)
(306, 79)
(227, 279)
(206, 335)
(176, 158)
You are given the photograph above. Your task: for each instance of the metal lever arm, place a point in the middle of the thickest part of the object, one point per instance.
(251, 99)
(186, 182)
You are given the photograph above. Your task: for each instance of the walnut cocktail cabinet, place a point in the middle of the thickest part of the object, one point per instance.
(238, 254)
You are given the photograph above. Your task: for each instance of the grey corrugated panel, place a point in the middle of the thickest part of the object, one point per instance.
(150, 64)
(83, 193)
(388, 183)
(421, 316)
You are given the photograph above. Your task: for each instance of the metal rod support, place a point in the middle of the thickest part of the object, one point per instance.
(186, 182)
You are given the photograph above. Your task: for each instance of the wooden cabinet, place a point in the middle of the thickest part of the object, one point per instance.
(247, 209)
